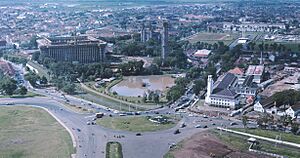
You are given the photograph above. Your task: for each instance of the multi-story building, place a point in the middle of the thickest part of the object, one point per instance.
(81, 49)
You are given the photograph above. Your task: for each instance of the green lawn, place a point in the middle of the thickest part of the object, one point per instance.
(271, 134)
(134, 124)
(114, 150)
(240, 142)
(212, 38)
(29, 132)
(28, 95)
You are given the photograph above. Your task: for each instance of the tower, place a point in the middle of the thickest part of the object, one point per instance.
(143, 34)
(261, 58)
(210, 84)
(150, 35)
(164, 41)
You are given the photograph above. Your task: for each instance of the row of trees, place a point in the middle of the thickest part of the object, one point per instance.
(178, 90)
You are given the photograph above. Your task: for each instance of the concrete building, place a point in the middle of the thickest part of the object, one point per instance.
(257, 71)
(143, 34)
(164, 41)
(81, 49)
(293, 111)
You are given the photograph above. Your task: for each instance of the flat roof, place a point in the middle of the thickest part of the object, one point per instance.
(255, 70)
(202, 53)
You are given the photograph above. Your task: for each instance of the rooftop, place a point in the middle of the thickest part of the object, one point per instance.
(255, 70)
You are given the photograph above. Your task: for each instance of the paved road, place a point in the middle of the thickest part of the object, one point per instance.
(91, 139)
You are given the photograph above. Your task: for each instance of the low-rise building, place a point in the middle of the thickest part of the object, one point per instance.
(293, 111)
(256, 71)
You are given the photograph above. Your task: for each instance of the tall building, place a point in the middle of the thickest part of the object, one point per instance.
(143, 34)
(164, 40)
(81, 49)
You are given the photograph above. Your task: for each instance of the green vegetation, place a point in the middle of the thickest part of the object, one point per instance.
(15, 58)
(27, 95)
(240, 143)
(9, 88)
(271, 134)
(41, 70)
(211, 38)
(114, 150)
(178, 90)
(32, 133)
(135, 123)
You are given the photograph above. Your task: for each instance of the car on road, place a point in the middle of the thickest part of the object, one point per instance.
(9, 104)
(177, 131)
(138, 134)
(205, 126)
(172, 145)
(78, 129)
(183, 125)
(233, 124)
(213, 124)
(198, 126)
(88, 123)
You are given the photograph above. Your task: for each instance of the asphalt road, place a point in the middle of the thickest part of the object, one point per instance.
(91, 139)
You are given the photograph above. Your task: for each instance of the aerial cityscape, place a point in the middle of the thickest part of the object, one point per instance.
(149, 79)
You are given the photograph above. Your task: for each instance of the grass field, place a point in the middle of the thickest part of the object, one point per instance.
(134, 124)
(241, 143)
(29, 132)
(114, 150)
(212, 38)
(28, 95)
(272, 134)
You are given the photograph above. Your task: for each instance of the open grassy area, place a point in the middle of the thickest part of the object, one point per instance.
(212, 38)
(271, 134)
(240, 142)
(28, 95)
(114, 150)
(29, 132)
(134, 124)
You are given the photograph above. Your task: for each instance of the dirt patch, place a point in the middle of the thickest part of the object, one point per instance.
(207, 145)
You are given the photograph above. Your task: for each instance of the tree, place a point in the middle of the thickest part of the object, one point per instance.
(156, 98)
(69, 88)
(198, 86)
(295, 127)
(32, 78)
(44, 80)
(8, 85)
(245, 120)
(23, 90)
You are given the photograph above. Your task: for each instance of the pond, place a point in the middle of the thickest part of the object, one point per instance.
(134, 86)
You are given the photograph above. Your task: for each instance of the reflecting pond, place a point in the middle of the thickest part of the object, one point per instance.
(134, 86)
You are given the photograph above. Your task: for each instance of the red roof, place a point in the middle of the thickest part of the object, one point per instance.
(237, 71)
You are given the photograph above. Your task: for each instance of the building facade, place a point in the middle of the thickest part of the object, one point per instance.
(81, 49)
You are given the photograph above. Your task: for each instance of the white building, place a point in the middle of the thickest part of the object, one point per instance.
(257, 71)
(293, 111)
(229, 91)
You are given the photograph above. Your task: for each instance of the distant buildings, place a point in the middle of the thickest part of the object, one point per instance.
(164, 41)
(81, 49)
(252, 27)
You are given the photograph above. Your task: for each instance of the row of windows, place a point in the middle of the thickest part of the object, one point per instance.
(222, 100)
(219, 103)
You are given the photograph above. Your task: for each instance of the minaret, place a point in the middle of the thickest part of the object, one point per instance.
(164, 41)
(210, 84)
(261, 58)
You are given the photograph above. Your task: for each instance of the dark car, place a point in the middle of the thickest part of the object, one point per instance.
(176, 131)
(138, 134)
